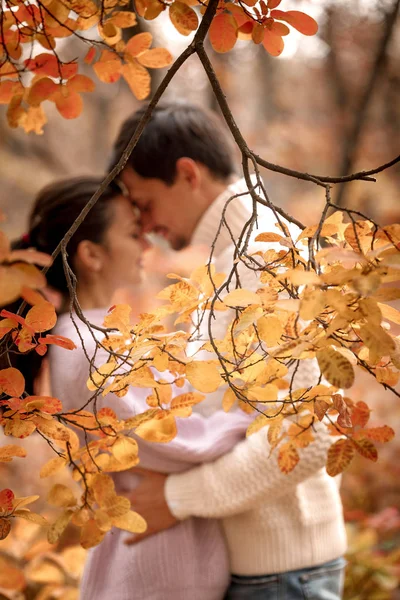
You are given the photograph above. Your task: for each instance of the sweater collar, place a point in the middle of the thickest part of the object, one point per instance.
(237, 213)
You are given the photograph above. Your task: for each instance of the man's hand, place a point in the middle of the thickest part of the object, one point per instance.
(149, 501)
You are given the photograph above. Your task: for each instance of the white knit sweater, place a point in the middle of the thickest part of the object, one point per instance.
(272, 522)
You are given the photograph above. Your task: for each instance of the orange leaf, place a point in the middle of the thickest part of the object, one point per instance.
(366, 449)
(8, 89)
(360, 414)
(11, 450)
(123, 19)
(90, 56)
(380, 434)
(80, 83)
(5, 528)
(47, 64)
(58, 340)
(41, 317)
(70, 105)
(273, 43)
(19, 428)
(138, 79)
(340, 455)
(183, 18)
(139, 43)
(12, 382)
(108, 68)
(223, 32)
(288, 457)
(31, 296)
(156, 58)
(297, 19)
(49, 404)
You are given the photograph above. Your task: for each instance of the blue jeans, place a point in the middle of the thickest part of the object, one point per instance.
(324, 582)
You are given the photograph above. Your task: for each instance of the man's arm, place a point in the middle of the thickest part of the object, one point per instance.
(240, 479)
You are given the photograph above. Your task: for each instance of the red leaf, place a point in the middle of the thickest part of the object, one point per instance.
(6, 499)
(90, 56)
(223, 32)
(41, 90)
(360, 414)
(297, 19)
(380, 434)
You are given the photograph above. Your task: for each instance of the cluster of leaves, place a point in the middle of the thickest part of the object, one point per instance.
(31, 567)
(29, 76)
(32, 70)
(323, 309)
(373, 557)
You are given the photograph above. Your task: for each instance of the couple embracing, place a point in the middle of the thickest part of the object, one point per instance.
(223, 521)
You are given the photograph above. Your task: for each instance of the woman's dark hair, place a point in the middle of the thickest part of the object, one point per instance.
(176, 130)
(55, 209)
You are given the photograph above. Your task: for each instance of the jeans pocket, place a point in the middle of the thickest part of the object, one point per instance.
(323, 583)
(253, 588)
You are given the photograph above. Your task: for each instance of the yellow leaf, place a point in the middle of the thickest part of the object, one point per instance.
(125, 450)
(123, 19)
(103, 520)
(19, 428)
(312, 304)
(131, 521)
(99, 376)
(186, 400)
(288, 457)
(103, 488)
(228, 399)
(45, 571)
(376, 339)
(21, 502)
(60, 495)
(52, 466)
(160, 429)
(31, 516)
(270, 330)
(203, 375)
(91, 534)
(58, 527)
(335, 368)
(340, 455)
(118, 317)
(300, 277)
(390, 313)
(241, 298)
(11, 450)
(267, 393)
(366, 284)
(51, 428)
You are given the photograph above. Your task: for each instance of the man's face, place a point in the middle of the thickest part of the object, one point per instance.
(167, 210)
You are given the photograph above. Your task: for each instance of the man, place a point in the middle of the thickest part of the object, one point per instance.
(285, 533)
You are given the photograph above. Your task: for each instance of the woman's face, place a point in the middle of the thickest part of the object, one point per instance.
(123, 246)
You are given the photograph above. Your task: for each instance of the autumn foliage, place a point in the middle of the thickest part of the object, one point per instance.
(322, 297)
(32, 70)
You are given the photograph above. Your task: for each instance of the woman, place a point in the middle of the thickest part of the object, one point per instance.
(188, 561)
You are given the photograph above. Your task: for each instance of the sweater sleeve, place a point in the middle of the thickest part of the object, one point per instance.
(242, 478)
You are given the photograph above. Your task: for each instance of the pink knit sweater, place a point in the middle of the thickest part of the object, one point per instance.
(186, 562)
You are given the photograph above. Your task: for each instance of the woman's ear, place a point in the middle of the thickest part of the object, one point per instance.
(188, 170)
(89, 257)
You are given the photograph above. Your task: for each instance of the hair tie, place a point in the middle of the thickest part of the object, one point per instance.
(26, 238)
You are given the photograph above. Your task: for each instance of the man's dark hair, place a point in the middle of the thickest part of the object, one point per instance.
(176, 130)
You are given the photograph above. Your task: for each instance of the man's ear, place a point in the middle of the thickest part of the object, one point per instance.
(89, 256)
(188, 170)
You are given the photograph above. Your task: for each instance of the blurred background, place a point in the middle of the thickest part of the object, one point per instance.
(330, 105)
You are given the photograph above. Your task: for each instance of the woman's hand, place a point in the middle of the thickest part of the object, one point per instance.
(149, 501)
